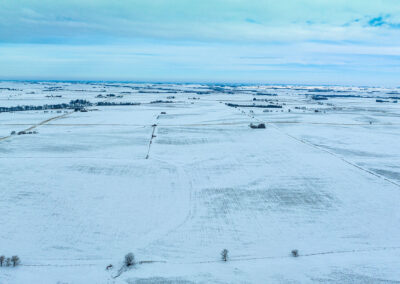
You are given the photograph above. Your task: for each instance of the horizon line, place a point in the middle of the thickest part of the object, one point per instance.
(189, 82)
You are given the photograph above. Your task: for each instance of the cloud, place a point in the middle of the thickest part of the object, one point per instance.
(283, 63)
(251, 21)
(242, 40)
(384, 21)
(206, 20)
(376, 22)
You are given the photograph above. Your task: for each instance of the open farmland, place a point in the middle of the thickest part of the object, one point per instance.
(174, 174)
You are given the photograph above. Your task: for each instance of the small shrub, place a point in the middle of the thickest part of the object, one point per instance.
(224, 255)
(8, 261)
(295, 253)
(110, 266)
(129, 260)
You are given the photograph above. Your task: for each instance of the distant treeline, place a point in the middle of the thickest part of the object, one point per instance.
(265, 94)
(254, 105)
(116, 104)
(74, 104)
(161, 102)
(325, 97)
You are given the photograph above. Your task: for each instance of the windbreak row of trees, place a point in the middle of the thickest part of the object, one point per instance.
(71, 105)
(74, 104)
(8, 261)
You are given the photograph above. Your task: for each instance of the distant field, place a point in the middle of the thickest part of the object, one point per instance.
(180, 175)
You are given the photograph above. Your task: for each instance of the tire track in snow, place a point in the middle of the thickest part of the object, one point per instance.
(239, 259)
(186, 185)
(324, 150)
(38, 124)
(233, 259)
(335, 155)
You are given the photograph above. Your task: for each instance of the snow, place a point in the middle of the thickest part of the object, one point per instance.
(80, 193)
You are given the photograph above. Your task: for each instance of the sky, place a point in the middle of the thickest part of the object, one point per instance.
(326, 42)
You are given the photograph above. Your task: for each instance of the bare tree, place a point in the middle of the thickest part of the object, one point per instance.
(295, 253)
(15, 260)
(2, 258)
(129, 260)
(8, 261)
(224, 255)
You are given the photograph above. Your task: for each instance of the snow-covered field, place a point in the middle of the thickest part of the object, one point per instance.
(323, 177)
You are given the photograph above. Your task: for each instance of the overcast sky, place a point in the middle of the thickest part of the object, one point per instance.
(256, 41)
